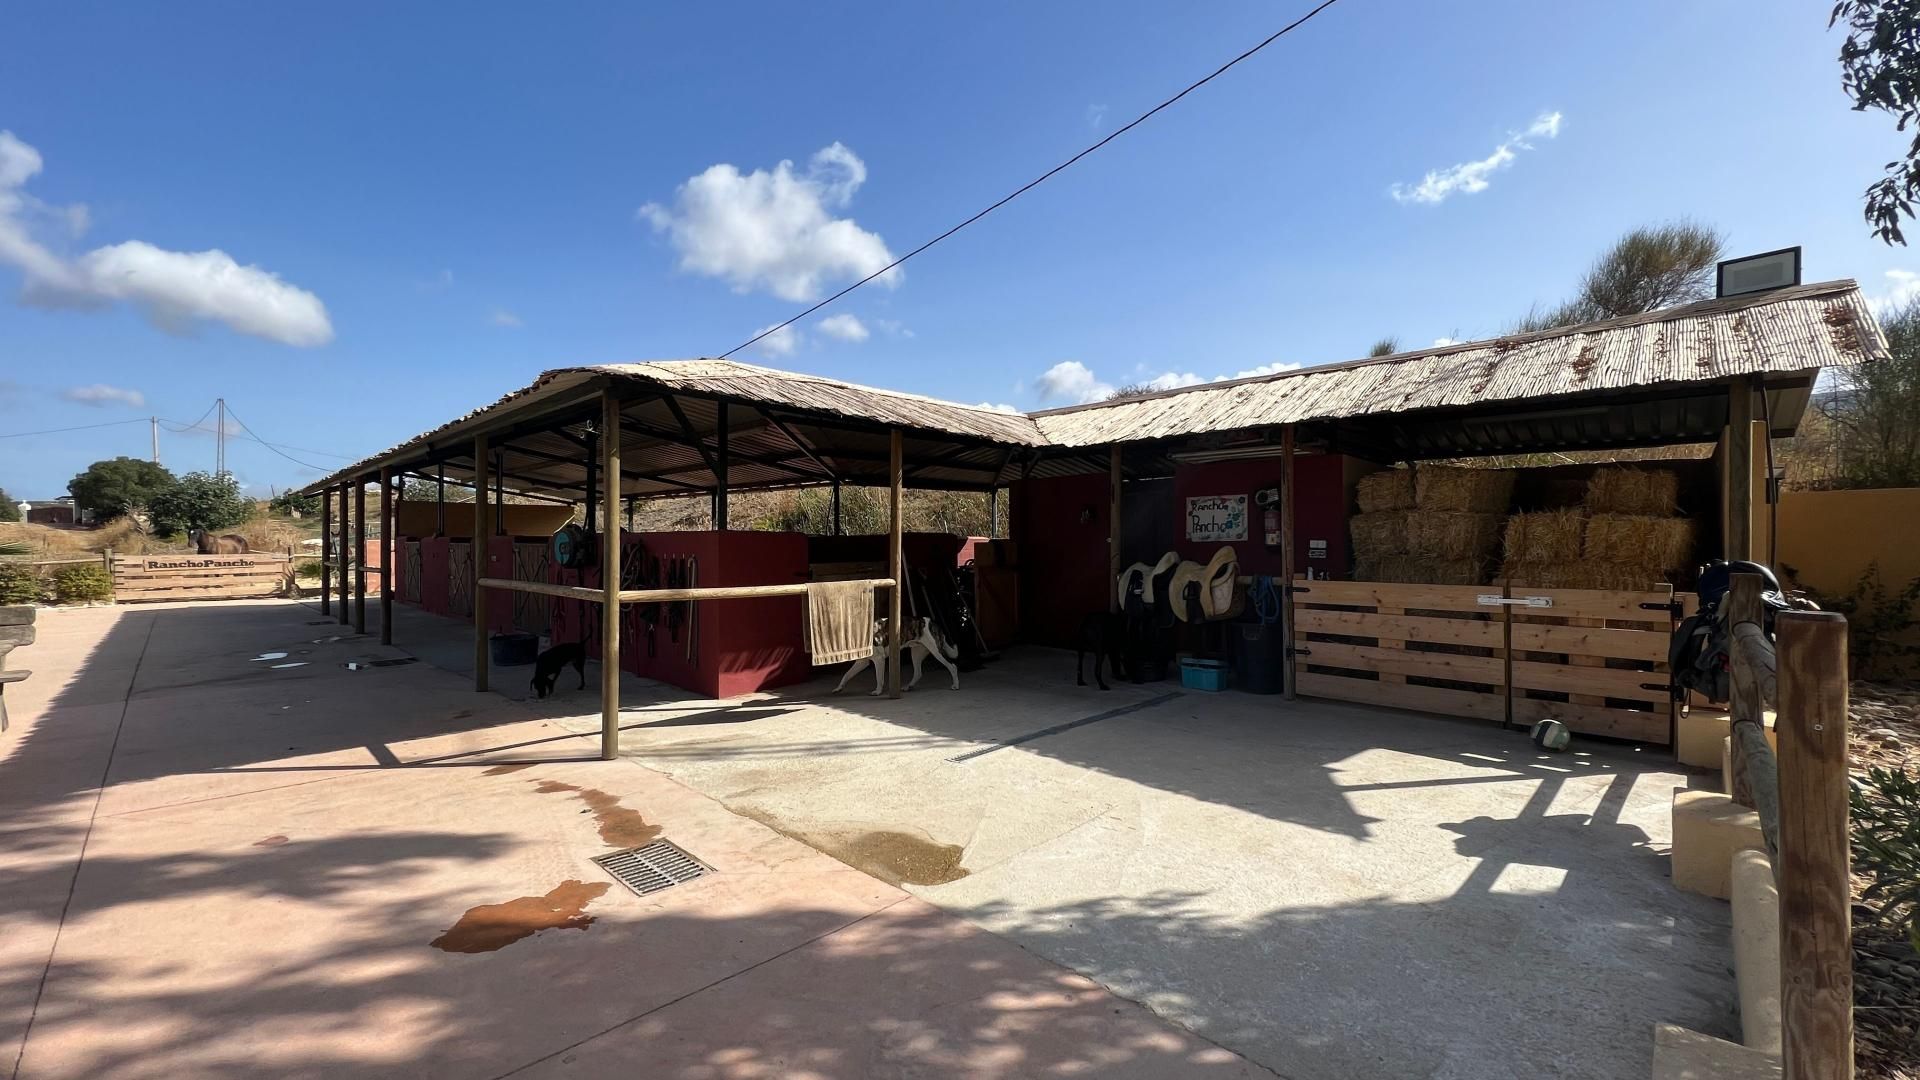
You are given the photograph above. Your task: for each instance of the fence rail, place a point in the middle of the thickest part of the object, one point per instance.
(1800, 795)
(199, 577)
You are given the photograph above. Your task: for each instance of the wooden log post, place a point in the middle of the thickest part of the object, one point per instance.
(721, 496)
(346, 556)
(478, 563)
(896, 562)
(1816, 943)
(1739, 469)
(610, 579)
(1287, 558)
(1113, 527)
(1744, 704)
(389, 552)
(360, 555)
(326, 552)
(836, 508)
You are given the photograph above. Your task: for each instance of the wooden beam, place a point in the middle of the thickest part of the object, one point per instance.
(1816, 948)
(694, 442)
(836, 508)
(1739, 470)
(1113, 527)
(478, 569)
(1287, 559)
(389, 551)
(610, 580)
(596, 595)
(345, 555)
(896, 562)
(326, 553)
(360, 556)
(794, 438)
(720, 478)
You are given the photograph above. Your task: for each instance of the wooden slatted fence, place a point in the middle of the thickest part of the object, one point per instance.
(200, 577)
(1595, 660)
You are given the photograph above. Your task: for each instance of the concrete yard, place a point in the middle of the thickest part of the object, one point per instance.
(1330, 891)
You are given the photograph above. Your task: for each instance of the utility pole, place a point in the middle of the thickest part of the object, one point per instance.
(220, 439)
(153, 424)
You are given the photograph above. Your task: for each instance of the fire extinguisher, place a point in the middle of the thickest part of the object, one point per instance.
(1270, 518)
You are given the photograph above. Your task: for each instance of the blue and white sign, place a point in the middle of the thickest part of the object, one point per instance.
(1217, 518)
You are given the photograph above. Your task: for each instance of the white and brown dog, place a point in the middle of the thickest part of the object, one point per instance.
(923, 639)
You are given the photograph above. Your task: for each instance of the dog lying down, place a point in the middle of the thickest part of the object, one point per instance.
(923, 639)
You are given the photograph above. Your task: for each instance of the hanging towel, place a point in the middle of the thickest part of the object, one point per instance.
(839, 621)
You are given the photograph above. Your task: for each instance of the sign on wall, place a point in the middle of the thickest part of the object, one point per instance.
(1217, 518)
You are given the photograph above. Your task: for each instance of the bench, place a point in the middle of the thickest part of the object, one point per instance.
(16, 629)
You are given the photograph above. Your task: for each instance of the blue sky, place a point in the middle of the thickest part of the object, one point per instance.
(419, 211)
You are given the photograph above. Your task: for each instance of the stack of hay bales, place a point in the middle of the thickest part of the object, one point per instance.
(1448, 536)
(1628, 535)
(1380, 528)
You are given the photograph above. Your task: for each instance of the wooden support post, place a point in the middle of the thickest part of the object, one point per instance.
(478, 567)
(993, 512)
(896, 562)
(1761, 531)
(499, 493)
(836, 508)
(360, 556)
(1113, 527)
(326, 552)
(610, 581)
(720, 454)
(1287, 560)
(346, 555)
(440, 502)
(1744, 703)
(1739, 471)
(389, 555)
(1816, 947)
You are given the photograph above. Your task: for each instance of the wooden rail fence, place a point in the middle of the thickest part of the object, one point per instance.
(1800, 796)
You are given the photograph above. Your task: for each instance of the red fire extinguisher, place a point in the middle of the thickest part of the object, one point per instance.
(1270, 519)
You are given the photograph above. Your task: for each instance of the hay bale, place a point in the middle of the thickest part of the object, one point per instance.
(1388, 489)
(1625, 490)
(1452, 534)
(1658, 543)
(1414, 570)
(1583, 574)
(1380, 533)
(1442, 487)
(1546, 536)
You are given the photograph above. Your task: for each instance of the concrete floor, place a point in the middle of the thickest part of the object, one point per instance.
(1332, 891)
(221, 862)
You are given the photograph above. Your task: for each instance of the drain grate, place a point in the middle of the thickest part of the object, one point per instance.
(659, 865)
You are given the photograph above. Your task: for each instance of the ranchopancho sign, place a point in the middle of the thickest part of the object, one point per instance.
(1216, 518)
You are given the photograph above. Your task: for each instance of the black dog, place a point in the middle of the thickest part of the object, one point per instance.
(546, 669)
(1104, 634)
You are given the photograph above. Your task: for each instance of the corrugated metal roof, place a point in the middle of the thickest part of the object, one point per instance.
(1787, 330)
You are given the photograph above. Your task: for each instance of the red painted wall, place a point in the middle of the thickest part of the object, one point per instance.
(1062, 560)
(1319, 509)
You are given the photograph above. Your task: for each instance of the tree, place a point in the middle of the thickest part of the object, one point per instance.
(1880, 69)
(1133, 390)
(1871, 417)
(111, 489)
(9, 510)
(1648, 269)
(199, 501)
(1386, 346)
(294, 504)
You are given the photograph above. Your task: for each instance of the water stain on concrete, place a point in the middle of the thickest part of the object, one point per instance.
(896, 858)
(270, 841)
(503, 770)
(620, 826)
(491, 927)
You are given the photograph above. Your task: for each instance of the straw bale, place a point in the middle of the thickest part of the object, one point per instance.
(1381, 533)
(1626, 490)
(1388, 489)
(1660, 543)
(1545, 536)
(1441, 487)
(1452, 534)
(1414, 570)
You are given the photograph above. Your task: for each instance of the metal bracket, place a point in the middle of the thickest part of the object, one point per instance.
(1671, 607)
(1295, 650)
(1490, 600)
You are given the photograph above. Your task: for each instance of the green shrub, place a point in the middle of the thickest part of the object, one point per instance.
(310, 568)
(20, 584)
(1886, 846)
(79, 584)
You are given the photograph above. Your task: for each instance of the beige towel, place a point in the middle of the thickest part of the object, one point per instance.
(839, 621)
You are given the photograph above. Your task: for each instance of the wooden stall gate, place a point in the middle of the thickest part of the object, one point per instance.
(200, 577)
(1594, 660)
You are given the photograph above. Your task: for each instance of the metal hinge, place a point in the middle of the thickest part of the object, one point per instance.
(1296, 650)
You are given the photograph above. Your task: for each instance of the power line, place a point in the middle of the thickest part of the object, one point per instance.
(243, 427)
(195, 424)
(81, 427)
(1042, 178)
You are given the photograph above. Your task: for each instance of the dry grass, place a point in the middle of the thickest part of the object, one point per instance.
(1380, 533)
(269, 535)
(121, 534)
(1453, 535)
(1658, 543)
(1547, 536)
(1479, 490)
(1653, 492)
(1388, 489)
(1413, 570)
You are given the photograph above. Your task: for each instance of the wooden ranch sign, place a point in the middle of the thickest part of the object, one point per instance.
(1217, 518)
(199, 577)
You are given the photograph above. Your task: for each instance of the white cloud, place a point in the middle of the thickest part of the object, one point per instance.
(999, 407)
(845, 327)
(504, 318)
(100, 395)
(173, 288)
(1274, 368)
(1073, 382)
(893, 327)
(1096, 116)
(1471, 177)
(774, 230)
(781, 342)
(1443, 342)
(1903, 288)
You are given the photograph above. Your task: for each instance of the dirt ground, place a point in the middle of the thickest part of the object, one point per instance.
(1884, 732)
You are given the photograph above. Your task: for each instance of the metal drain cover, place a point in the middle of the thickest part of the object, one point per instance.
(659, 865)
